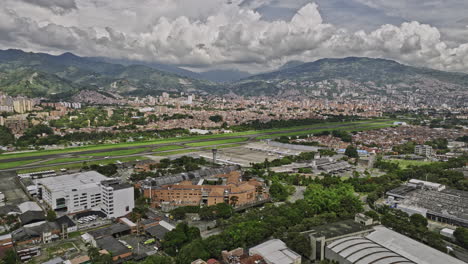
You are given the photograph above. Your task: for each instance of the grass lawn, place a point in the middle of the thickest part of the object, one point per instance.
(63, 160)
(118, 152)
(10, 165)
(225, 146)
(216, 142)
(176, 152)
(405, 163)
(60, 249)
(176, 140)
(165, 148)
(362, 127)
(79, 164)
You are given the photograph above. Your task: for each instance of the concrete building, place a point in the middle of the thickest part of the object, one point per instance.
(117, 198)
(275, 251)
(384, 246)
(432, 201)
(23, 105)
(85, 191)
(423, 150)
(225, 188)
(321, 236)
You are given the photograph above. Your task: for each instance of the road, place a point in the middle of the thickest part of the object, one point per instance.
(250, 137)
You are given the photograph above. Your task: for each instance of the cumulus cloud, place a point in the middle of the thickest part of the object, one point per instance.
(56, 6)
(228, 33)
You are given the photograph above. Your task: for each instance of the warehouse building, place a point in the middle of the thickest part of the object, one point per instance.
(431, 200)
(275, 251)
(321, 236)
(384, 246)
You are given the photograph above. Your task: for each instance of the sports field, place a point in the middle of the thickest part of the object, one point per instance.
(405, 163)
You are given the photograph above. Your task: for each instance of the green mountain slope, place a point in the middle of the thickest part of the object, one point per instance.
(33, 83)
(84, 73)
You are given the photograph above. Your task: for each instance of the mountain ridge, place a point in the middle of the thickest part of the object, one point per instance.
(350, 77)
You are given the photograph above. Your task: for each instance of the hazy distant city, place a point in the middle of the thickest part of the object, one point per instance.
(233, 132)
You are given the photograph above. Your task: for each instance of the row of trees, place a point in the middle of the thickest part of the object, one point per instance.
(42, 135)
(221, 210)
(440, 172)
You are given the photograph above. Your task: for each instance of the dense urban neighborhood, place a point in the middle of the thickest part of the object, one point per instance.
(233, 132)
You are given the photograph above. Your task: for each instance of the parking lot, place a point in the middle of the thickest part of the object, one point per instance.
(137, 243)
(13, 193)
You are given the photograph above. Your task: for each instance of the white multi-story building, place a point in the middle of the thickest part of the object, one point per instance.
(423, 150)
(117, 198)
(86, 191)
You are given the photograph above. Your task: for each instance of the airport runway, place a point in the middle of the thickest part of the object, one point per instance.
(250, 137)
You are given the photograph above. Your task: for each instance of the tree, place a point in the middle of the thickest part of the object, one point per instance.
(155, 259)
(351, 151)
(179, 237)
(216, 118)
(51, 216)
(192, 251)
(461, 235)
(98, 258)
(279, 191)
(6, 137)
(418, 220)
(10, 257)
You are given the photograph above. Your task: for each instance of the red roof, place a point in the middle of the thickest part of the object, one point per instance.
(212, 261)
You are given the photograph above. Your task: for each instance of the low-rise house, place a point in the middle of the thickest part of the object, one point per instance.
(160, 230)
(112, 245)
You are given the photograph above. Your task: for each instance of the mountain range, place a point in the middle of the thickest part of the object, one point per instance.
(40, 74)
(359, 77)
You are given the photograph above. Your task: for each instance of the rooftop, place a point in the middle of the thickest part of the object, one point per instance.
(410, 248)
(112, 245)
(361, 250)
(110, 230)
(448, 203)
(65, 183)
(275, 251)
(337, 229)
(116, 184)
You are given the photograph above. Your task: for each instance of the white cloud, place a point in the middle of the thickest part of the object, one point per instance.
(217, 33)
(56, 6)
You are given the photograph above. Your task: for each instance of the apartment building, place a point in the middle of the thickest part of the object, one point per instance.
(423, 150)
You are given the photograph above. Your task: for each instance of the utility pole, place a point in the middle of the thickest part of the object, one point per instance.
(214, 155)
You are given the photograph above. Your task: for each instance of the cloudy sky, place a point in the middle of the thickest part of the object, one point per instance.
(252, 35)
